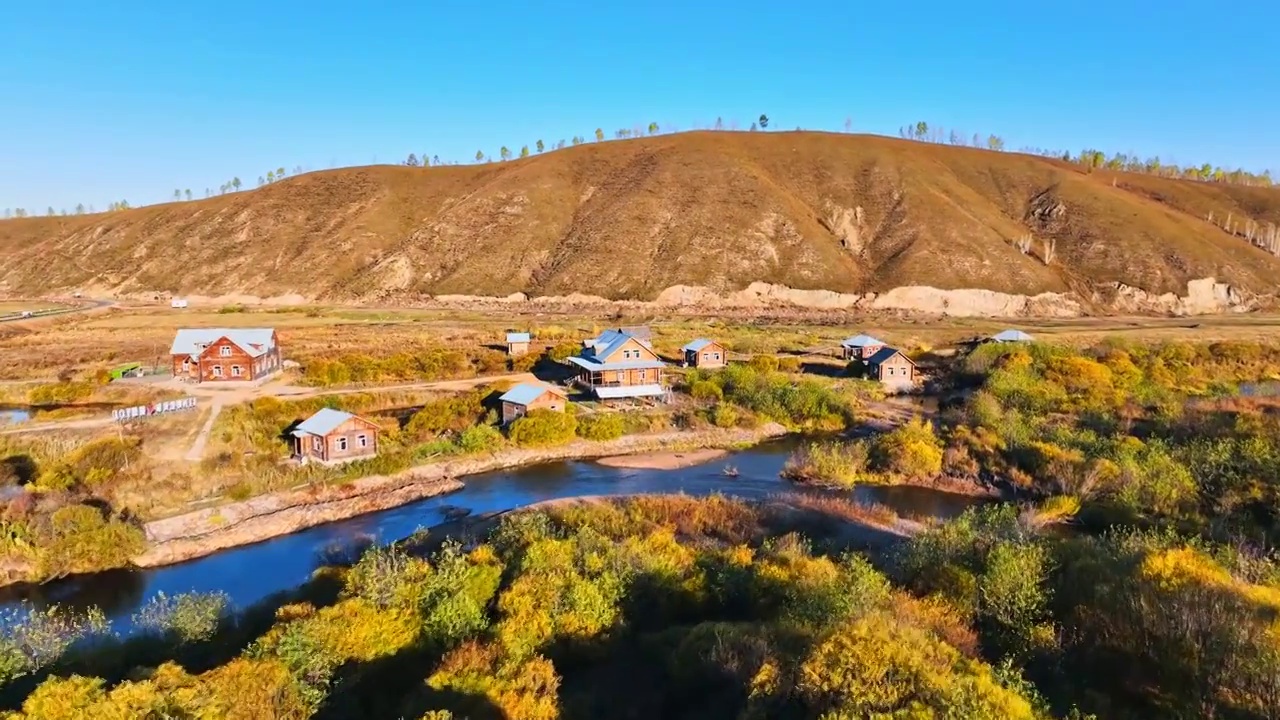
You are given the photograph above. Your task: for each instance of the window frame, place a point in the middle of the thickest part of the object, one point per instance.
(342, 443)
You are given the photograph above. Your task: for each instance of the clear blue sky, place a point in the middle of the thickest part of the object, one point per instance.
(129, 100)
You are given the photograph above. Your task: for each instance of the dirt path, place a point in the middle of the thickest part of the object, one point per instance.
(196, 453)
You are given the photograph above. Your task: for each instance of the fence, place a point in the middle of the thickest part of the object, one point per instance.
(142, 411)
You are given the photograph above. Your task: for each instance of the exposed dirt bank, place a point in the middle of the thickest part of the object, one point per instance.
(663, 460)
(204, 532)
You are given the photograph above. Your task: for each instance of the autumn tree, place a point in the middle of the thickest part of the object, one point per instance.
(599, 134)
(922, 130)
(524, 151)
(653, 128)
(504, 153)
(235, 184)
(279, 173)
(995, 143)
(479, 156)
(540, 146)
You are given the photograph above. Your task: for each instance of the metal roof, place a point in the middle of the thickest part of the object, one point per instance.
(192, 341)
(325, 421)
(627, 391)
(589, 364)
(884, 354)
(525, 393)
(514, 337)
(861, 341)
(697, 345)
(609, 341)
(1011, 336)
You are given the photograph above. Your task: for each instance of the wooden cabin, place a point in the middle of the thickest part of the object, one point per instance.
(860, 347)
(333, 436)
(519, 400)
(892, 367)
(619, 365)
(225, 354)
(704, 353)
(517, 343)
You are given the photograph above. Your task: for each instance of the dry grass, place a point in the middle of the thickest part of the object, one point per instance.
(840, 508)
(628, 219)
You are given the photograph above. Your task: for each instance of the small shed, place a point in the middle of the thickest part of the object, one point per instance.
(517, 343)
(333, 436)
(704, 353)
(1007, 336)
(860, 347)
(892, 367)
(519, 400)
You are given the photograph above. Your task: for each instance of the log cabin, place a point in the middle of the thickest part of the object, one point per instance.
(892, 368)
(519, 400)
(860, 347)
(704, 353)
(333, 436)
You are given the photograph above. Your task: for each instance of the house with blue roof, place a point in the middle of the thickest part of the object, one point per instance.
(704, 353)
(860, 347)
(619, 365)
(519, 400)
(517, 343)
(333, 436)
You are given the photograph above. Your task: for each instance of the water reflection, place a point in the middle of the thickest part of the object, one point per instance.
(250, 573)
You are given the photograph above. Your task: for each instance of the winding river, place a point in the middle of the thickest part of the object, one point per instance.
(252, 572)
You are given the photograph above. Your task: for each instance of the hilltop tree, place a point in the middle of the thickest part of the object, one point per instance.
(995, 143)
(235, 184)
(50, 212)
(479, 155)
(177, 195)
(540, 146)
(599, 135)
(504, 153)
(279, 173)
(271, 176)
(524, 151)
(653, 128)
(435, 160)
(764, 121)
(80, 207)
(560, 145)
(412, 160)
(848, 124)
(261, 181)
(753, 127)
(922, 130)
(719, 123)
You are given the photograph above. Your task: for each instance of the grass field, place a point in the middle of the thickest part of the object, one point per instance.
(8, 307)
(85, 343)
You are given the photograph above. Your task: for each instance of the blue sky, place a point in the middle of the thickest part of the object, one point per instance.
(129, 100)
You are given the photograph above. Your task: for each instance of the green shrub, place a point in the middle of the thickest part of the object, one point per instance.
(912, 450)
(764, 363)
(185, 618)
(480, 438)
(543, 427)
(601, 426)
(835, 463)
(706, 390)
(789, 364)
(724, 415)
(240, 491)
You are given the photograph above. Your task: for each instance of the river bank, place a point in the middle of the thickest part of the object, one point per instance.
(210, 530)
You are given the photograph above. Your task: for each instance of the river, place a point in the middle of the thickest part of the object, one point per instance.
(252, 572)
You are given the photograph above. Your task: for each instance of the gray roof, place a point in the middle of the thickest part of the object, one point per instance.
(861, 341)
(590, 364)
(1011, 336)
(884, 354)
(325, 421)
(514, 337)
(627, 391)
(525, 393)
(609, 341)
(697, 345)
(192, 341)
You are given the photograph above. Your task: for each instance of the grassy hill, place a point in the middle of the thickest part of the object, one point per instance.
(627, 219)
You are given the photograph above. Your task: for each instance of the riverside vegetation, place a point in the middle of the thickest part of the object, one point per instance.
(77, 501)
(677, 607)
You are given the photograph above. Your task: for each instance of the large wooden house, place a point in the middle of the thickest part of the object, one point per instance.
(225, 354)
(332, 436)
(704, 353)
(619, 365)
(519, 400)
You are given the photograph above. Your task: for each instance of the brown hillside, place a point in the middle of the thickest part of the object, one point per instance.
(627, 219)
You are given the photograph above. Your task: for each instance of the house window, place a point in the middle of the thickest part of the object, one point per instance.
(316, 442)
(715, 356)
(644, 375)
(362, 440)
(186, 364)
(235, 371)
(342, 444)
(225, 351)
(217, 371)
